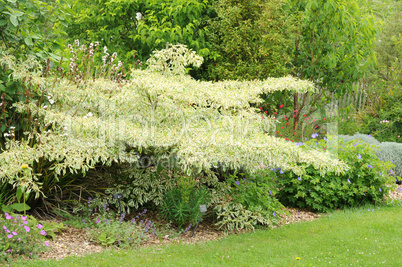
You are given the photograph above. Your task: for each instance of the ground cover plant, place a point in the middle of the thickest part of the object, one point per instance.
(23, 236)
(361, 236)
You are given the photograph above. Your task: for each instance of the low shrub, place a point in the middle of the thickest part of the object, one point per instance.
(181, 204)
(107, 229)
(139, 187)
(388, 151)
(364, 181)
(391, 151)
(363, 137)
(250, 202)
(24, 236)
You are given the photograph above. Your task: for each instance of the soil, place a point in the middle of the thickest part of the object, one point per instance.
(74, 241)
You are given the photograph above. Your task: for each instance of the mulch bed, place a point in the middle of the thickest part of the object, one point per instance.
(74, 241)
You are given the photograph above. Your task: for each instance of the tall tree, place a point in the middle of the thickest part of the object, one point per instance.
(139, 27)
(252, 38)
(333, 46)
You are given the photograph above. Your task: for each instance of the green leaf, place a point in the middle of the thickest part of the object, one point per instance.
(19, 207)
(12, 1)
(5, 208)
(3, 22)
(19, 194)
(28, 41)
(14, 20)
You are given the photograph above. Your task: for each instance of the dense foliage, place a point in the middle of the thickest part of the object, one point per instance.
(252, 39)
(139, 27)
(365, 180)
(145, 134)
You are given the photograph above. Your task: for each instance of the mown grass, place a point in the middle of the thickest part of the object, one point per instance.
(357, 237)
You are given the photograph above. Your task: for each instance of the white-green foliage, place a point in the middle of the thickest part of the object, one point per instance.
(140, 187)
(173, 60)
(392, 151)
(203, 123)
(363, 137)
(234, 216)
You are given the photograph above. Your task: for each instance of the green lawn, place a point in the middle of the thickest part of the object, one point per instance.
(355, 237)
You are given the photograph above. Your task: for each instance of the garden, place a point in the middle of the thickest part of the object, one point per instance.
(156, 128)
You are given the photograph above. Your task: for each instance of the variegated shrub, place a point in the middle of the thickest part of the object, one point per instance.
(202, 123)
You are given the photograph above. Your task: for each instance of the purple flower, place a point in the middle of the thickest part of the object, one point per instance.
(46, 243)
(324, 138)
(314, 135)
(5, 228)
(244, 179)
(273, 169)
(27, 229)
(359, 156)
(305, 138)
(270, 192)
(23, 218)
(379, 158)
(24, 222)
(358, 175)
(379, 172)
(97, 220)
(42, 232)
(237, 182)
(281, 172)
(299, 178)
(399, 189)
(10, 236)
(8, 217)
(14, 233)
(369, 136)
(369, 166)
(40, 226)
(380, 189)
(354, 144)
(392, 161)
(274, 213)
(349, 181)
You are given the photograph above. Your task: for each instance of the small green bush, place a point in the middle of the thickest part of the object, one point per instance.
(391, 151)
(139, 187)
(250, 202)
(388, 151)
(363, 137)
(364, 181)
(181, 204)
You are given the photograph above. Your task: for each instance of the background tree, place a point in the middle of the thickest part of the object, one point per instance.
(333, 47)
(32, 27)
(139, 27)
(252, 39)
